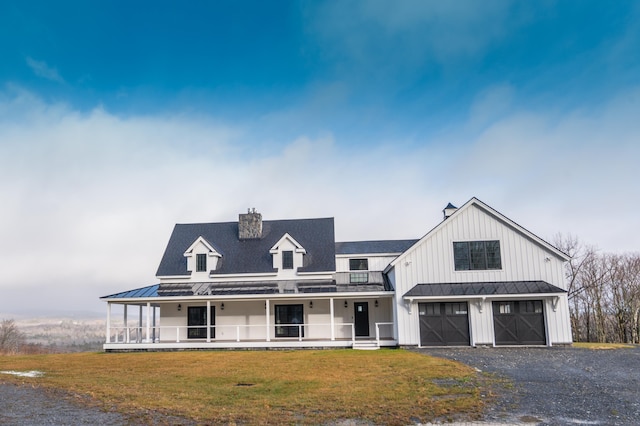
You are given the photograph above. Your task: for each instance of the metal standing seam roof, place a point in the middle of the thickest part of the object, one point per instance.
(149, 291)
(251, 288)
(482, 289)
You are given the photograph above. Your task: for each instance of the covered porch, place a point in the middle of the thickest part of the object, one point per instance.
(150, 321)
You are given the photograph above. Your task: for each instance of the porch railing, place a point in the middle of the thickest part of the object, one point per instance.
(237, 333)
(385, 326)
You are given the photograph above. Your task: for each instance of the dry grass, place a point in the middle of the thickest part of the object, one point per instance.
(262, 387)
(591, 345)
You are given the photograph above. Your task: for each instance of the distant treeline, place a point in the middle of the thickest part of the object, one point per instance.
(604, 293)
(14, 341)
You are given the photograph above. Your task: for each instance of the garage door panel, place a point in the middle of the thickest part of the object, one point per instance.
(519, 322)
(444, 324)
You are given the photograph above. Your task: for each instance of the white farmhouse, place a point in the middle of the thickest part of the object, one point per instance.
(477, 278)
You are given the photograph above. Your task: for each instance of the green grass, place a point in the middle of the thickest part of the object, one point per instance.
(261, 387)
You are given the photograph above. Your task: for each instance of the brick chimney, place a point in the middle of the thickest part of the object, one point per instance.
(250, 225)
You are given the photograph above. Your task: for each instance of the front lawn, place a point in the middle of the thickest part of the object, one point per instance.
(383, 387)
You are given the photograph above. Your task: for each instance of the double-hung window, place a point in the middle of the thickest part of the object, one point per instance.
(201, 262)
(287, 259)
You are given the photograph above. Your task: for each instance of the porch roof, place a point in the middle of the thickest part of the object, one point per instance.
(148, 291)
(482, 289)
(246, 288)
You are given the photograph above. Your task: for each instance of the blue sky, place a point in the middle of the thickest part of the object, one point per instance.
(119, 119)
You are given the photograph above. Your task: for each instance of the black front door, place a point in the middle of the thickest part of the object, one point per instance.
(361, 317)
(289, 315)
(197, 315)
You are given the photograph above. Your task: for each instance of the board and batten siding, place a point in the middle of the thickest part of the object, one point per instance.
(523, 258)
(376, 262)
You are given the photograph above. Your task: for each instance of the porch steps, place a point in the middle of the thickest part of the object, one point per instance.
(366, 345)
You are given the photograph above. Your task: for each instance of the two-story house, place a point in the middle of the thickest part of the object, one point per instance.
(477, 278)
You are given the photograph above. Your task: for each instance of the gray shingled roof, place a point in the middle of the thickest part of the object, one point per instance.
(370, 247)
(482, 289)
(252, 256)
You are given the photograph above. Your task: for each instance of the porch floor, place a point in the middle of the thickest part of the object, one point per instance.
(280, 343)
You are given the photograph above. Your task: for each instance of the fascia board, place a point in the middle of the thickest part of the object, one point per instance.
(201, 239)
(526, 296)
(284, 296)
(345, 256)
(520, 229)
(173, 277)
(497, 215)
(286, 236)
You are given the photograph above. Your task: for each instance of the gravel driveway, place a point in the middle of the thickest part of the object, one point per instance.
(559, 386)
(23, 405)
(34, 406)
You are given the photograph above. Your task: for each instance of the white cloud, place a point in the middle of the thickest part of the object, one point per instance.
(41, 69)
(89, 199)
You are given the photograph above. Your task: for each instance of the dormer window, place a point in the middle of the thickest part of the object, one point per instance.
(287, 259)
(288, 255)
(202, 256)
(201, 262)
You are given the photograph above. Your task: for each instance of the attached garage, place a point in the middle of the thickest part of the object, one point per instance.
(519, 322)
(444, 324)
(514, 313)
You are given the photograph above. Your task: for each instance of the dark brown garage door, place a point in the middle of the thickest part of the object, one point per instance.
(444, 324)
(519, 322)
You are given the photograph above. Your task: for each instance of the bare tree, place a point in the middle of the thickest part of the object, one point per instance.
(11, 339)
(603, 292)
(578, 286)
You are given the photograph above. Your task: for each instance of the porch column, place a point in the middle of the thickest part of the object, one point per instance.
(153, 333)
(139, 336)
(267, 309)
(394, 309)
(208, 321)
(126, 327)
(148, 321)
(331, 319)
(108, 339)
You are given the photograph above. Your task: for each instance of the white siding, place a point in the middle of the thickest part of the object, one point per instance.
(522, 258)
(248, 318)
(376, 262)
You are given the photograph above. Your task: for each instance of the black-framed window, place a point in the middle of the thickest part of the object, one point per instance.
(201, 262)
(197, 315)
(287, 259)
(358, 277)
(289, 316)
(477, 255)
(358, 264)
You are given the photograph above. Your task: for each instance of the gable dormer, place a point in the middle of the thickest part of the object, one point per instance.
(202, 257)
(287, 254)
